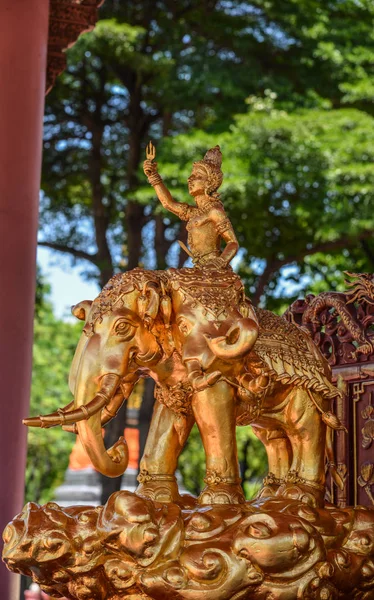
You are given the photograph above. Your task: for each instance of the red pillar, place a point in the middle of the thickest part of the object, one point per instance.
(23, 52)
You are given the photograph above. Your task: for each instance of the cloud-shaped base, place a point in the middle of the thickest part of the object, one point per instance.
(134, 548)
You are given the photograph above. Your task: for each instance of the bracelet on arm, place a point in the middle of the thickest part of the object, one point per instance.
(154, 179)
(220, 262)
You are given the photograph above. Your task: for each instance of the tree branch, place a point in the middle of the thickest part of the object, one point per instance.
(276, 264)
(343, 242)
(70, 250)
(263, 280)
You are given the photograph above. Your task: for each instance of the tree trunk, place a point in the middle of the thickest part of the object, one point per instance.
(134, 223)
(162, 245)
(135, 220)
(134, 214)
(100, 213)
(183, 238)
(263, 281)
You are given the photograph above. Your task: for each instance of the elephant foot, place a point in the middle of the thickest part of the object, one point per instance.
(222, 493)
(302, 490)
(158, 487)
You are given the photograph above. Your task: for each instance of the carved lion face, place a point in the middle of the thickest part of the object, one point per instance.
(127, 523)
(38, 537)
(274, 542)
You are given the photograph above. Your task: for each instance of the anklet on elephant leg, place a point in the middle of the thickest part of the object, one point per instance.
(294, 477)
(270, 479)
(213, 478)
(145, 477)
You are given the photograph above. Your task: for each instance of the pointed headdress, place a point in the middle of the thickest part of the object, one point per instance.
(210, 167)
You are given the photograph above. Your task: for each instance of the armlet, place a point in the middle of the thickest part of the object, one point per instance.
(223, 225)
(184, 212)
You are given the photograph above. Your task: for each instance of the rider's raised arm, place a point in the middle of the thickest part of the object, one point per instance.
(180, 209)
(183, 211)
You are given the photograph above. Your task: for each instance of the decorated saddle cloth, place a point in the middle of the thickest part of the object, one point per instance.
(290, 355)
(215, 290)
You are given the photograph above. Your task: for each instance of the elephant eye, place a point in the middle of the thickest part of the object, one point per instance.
(259, 530)
(52, 543)
(123, 328)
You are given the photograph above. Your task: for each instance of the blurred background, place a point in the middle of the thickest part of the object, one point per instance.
(286, 88)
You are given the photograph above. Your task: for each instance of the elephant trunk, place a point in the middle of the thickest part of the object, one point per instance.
(238, 341)
(112, 462)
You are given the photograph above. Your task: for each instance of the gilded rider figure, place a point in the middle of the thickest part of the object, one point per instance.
(207, 222)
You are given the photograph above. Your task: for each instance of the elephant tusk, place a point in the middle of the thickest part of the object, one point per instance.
(38, 421)
(70, 428)
(64, 418)
(111, 409)
(109, 412)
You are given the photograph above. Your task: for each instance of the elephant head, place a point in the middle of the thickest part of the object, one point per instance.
(116, 341)
(212, 337)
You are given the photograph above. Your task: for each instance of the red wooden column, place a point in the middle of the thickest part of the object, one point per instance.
(23, 53)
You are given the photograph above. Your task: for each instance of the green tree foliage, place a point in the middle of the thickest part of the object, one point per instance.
(146, 71)
(49, 449)
(325, 51)
(154, 69)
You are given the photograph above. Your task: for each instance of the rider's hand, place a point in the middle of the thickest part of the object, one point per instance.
(149, 167)
(217, 264)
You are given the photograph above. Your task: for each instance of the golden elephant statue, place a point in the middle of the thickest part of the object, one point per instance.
(217, 362)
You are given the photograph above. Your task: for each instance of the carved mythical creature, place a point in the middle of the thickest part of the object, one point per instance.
(143, 550)
(362, 290)
(199, 350)
(215, 361)
(50, 544)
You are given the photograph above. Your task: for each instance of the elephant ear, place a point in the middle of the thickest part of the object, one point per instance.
(81, 310)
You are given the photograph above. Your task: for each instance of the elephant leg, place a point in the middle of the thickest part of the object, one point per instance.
(166, 438)
(215, 413)
(307, 435)
(279, 454)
